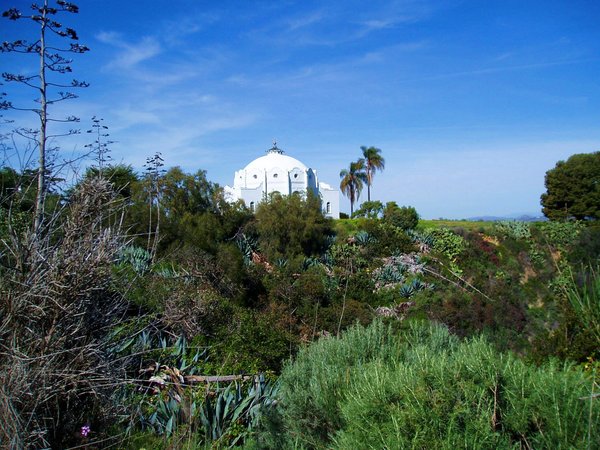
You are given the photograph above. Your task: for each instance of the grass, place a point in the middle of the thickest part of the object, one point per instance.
(351, 226)
(466, 224)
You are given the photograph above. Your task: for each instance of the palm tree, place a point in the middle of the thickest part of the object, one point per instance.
(373, 162)
(352, 182)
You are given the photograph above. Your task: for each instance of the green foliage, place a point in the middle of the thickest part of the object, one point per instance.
(477, 225)
(218, 417)
(572, 188)
(424, 388)
(138, 258)
(17, 190)
(513, 228)
(405, 217)
(122, 178)
(449, 244)
(587, 248)
(370, 209)
(389, 239)
(561, 235)
(313, 385)
(189, 210)
(363, 238)
(585, 302)
(289, 226)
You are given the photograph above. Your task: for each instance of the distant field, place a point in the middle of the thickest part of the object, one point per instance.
(350, 226)
(466, 224)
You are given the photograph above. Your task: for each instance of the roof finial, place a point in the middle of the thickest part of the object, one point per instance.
(275, 149)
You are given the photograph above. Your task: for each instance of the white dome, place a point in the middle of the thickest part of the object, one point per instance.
(276, 172)
(274, 160)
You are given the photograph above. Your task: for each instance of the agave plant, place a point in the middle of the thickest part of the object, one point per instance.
(310, 262)
(281, 263)
(417, 285)
(247, 245)
(233, 406)
(423, 239)
(138, 258)
(327, 259)
(406, 291)
(363, 238)
(387, 276)
(330, 240)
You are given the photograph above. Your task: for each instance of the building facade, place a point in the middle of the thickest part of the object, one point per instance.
(277, 172)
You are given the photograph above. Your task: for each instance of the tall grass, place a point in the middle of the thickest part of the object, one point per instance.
(585, 301)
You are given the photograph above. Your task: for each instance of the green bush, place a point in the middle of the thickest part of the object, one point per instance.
(405, 217)
(424, 388)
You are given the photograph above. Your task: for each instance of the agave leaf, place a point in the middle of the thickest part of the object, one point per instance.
(169, 427)
(126, 344)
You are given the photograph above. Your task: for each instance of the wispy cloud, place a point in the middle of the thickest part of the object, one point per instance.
(509, 68)
(174, 32)
(312, 18)
(335, 23)
(131, 54)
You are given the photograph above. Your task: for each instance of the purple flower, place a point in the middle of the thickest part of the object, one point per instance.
(85, 430)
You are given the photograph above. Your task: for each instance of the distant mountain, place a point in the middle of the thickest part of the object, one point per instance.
(519, 217)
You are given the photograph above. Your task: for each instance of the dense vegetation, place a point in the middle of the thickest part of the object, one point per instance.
(147, 286)
(424, 388)
(145, 311)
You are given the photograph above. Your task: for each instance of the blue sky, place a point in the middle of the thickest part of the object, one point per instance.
(471, 102)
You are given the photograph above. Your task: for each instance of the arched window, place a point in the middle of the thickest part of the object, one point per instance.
(328, 208)
(252, 206)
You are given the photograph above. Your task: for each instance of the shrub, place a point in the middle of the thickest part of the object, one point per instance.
(424, 388)
(405, 217)
(561, 235)
(55, 311)
(513, 228)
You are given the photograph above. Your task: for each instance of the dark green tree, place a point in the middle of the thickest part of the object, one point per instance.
(573, 188)
(52, 59)
(370, 210)
(353, 181)
(290, 226)
(122, 177)
(373, 162)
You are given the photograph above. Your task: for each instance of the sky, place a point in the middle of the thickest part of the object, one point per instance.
(471, 102)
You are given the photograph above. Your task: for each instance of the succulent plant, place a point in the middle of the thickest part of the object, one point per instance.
(363, 238)
(139, 258)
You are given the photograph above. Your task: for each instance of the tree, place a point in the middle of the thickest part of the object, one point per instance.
(290, 226)
(373, 162)
(353, 181)
(51, 60)
(370, 210)
(405, 217)
(573, 188)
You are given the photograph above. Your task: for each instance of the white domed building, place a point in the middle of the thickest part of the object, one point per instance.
(276, 172)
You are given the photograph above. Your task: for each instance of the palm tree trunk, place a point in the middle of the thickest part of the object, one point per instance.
(369, 178)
